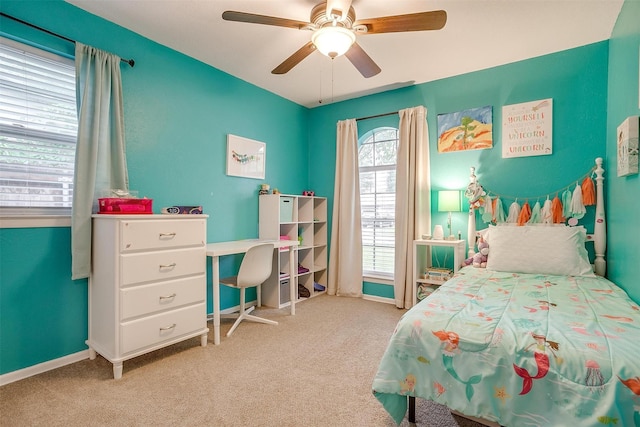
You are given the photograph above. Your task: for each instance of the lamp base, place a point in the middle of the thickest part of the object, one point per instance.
(451, 237)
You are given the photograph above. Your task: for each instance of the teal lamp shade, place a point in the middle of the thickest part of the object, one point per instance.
(449, 201)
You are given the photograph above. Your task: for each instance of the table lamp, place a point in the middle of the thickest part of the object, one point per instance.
(449, 201)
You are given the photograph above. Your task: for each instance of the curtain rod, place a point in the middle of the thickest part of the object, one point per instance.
(376, 116)
(131, 62)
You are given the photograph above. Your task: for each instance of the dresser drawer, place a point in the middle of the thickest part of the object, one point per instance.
(161, 234)
(147, 299)
(152, 330)
(162, 265)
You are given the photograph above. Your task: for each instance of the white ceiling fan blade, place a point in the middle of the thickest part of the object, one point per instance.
(338, 8)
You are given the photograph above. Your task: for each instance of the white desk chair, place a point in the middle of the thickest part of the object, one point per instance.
(254, 270)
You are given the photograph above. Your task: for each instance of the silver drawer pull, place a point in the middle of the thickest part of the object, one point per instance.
(173, 264)
(167, 235)
(167, 328)
(163, 297)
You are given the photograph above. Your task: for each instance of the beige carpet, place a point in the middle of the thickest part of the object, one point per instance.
(313, 369)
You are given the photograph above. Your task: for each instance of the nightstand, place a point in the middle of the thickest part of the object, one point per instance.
(422, 255)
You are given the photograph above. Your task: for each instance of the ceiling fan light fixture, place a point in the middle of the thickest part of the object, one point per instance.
(333, 41)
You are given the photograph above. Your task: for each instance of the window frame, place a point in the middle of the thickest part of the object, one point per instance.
(385, 276)
(38, 216)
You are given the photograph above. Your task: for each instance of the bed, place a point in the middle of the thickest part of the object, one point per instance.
(549, 344)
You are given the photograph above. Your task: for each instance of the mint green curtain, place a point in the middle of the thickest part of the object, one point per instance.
(100, 152)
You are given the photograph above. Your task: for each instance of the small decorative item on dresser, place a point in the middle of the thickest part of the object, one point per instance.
(124, 205)
(308, 193)
(264, 189)
(193, 210)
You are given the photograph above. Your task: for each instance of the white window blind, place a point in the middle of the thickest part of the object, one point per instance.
(38, 129)
(377, 160)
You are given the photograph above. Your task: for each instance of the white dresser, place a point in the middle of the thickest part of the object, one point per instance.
(147, 288)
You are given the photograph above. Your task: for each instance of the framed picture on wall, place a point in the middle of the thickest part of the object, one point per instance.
(470, 129)
(627, 146)
(245, 157)
(527, 129)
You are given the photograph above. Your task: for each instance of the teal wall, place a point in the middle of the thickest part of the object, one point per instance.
(576, 80)
(378, 290)
(623, 193)
(178, 112)
(43, 313)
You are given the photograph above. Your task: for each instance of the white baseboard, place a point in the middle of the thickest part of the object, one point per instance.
(81, 355)
(379, 299)
(71, 358)
(43, 367)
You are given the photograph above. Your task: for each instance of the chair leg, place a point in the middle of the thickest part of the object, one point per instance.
(241, 314)
(259, 293)
(259, 319)
(235, 325)
(244, 315)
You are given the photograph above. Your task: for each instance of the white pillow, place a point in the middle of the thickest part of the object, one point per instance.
(542, 250)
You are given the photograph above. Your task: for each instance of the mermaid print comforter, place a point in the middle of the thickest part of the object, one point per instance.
(520, 350)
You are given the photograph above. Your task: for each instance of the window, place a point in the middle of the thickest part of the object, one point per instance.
(38, 130)
(377, 158)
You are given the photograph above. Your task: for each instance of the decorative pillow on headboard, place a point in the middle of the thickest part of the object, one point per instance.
(543, 250)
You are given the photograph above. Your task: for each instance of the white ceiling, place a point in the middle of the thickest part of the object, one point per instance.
(479, 34)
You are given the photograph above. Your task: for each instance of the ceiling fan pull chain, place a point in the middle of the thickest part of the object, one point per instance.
(332, 60)
(320, 97)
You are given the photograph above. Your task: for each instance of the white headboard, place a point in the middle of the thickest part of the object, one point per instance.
(599, 236)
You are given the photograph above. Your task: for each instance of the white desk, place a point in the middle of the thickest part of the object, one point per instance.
(216, 250)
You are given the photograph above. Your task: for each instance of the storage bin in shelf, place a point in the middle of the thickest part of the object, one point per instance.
(284, 291)
(286, 209)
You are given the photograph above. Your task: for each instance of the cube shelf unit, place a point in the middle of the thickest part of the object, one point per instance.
(293, 217)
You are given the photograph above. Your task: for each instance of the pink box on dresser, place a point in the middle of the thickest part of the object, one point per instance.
(124, 206)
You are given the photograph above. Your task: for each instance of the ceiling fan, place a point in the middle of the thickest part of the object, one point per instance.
(334, 27)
